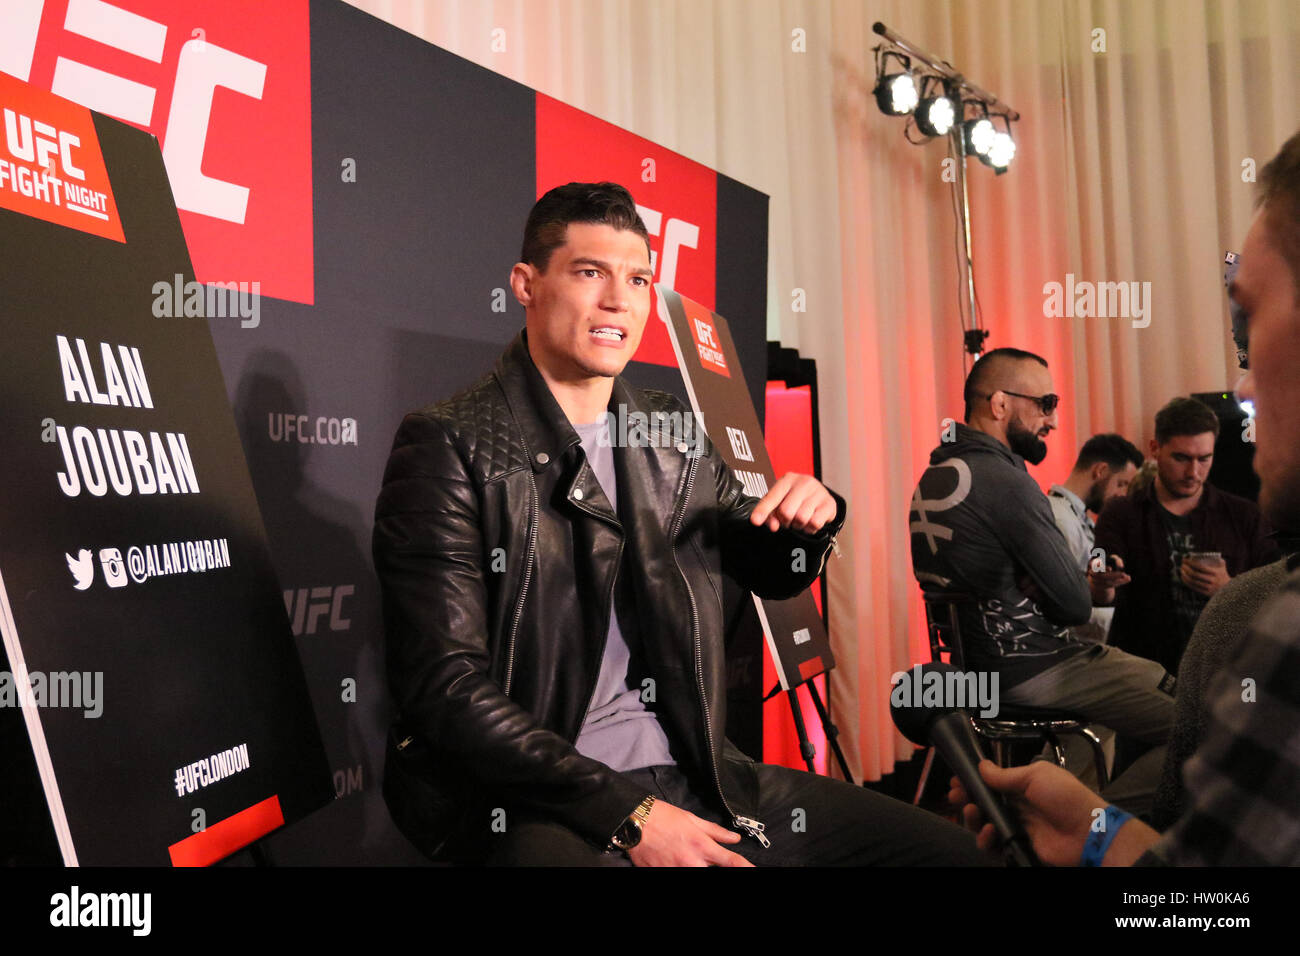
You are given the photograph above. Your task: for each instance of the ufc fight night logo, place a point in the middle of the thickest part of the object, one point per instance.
(51, 167)
(707, 345)
(41, 143)
(225, 88)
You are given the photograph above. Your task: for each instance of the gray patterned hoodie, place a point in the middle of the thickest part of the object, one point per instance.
(981, 525)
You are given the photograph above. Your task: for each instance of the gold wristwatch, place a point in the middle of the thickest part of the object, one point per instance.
(629, 831)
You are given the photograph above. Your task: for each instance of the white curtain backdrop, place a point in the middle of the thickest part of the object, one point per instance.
(1134, 149)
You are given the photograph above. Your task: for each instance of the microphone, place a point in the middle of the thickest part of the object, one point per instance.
(947, 728)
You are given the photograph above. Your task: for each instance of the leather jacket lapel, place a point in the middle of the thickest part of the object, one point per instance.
(650, 475)
(546, 430)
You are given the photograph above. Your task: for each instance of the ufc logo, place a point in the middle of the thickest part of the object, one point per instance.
(677, 234)
(203, 67)
(37, 142)
(704, 333)
(226, 89)
(306, 607)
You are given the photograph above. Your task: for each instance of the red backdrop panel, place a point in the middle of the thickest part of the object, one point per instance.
(240, 76)
(678, 199)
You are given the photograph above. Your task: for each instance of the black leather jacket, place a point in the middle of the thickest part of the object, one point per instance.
(497, 554)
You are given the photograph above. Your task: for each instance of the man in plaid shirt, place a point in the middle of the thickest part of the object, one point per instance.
(1243, 785)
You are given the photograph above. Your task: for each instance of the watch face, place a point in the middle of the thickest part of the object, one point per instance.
(628, 835)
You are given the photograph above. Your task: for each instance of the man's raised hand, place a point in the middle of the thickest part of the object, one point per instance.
(798, 502)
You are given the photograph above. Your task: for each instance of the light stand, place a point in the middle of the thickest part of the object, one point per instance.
(974, 335)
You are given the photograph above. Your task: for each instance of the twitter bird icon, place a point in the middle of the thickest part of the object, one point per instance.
(82, 568)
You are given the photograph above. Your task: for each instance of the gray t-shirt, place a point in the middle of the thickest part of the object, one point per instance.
(619, 730)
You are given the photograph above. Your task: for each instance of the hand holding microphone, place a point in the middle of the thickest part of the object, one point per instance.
(949, 731)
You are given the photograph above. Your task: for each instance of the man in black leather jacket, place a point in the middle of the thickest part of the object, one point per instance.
(532, 576)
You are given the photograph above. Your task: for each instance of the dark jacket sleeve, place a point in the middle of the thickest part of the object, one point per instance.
(1028, 532)
(429, 555)
(1115, 518)
(1118, 525)
(773, 564)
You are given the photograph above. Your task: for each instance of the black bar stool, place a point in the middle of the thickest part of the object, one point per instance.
(1013, 723)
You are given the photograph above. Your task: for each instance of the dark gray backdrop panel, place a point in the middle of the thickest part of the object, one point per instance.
(444, 178)
(409, 261)
(741, 290)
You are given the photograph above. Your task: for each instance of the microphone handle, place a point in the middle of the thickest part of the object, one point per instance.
(955, 740)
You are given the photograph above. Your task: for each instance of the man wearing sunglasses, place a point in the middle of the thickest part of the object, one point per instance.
(982, 526)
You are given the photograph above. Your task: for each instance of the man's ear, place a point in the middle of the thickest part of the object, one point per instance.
(998, 405)
(1155, 447)
(521, 283)
(1100, 471)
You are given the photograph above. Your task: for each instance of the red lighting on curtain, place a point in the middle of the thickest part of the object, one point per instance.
(789, 437)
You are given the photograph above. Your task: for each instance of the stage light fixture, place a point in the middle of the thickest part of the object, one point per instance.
(1001, 152)
(938, 101)
(895, 92)
(979, 132)
(936, 115)
(1002, 149)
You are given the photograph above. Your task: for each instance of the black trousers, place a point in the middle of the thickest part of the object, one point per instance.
(811, 821)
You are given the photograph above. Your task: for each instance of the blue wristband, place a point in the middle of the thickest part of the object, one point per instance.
(1099, 841)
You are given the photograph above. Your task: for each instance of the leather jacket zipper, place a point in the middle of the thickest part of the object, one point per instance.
(827, 554)
(748, 825)
(754, 828)
(528, 575)
(609, 601)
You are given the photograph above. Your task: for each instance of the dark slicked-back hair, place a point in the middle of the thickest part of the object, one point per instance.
(1279, 195)
(977, 382)
(1115, 450)
(1185, 416)
(607, 203)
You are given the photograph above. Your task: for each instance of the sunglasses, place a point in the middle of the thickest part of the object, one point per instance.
(1046, 403)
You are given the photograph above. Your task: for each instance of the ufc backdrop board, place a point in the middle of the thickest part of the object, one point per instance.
(147, 653)
(366, 193)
